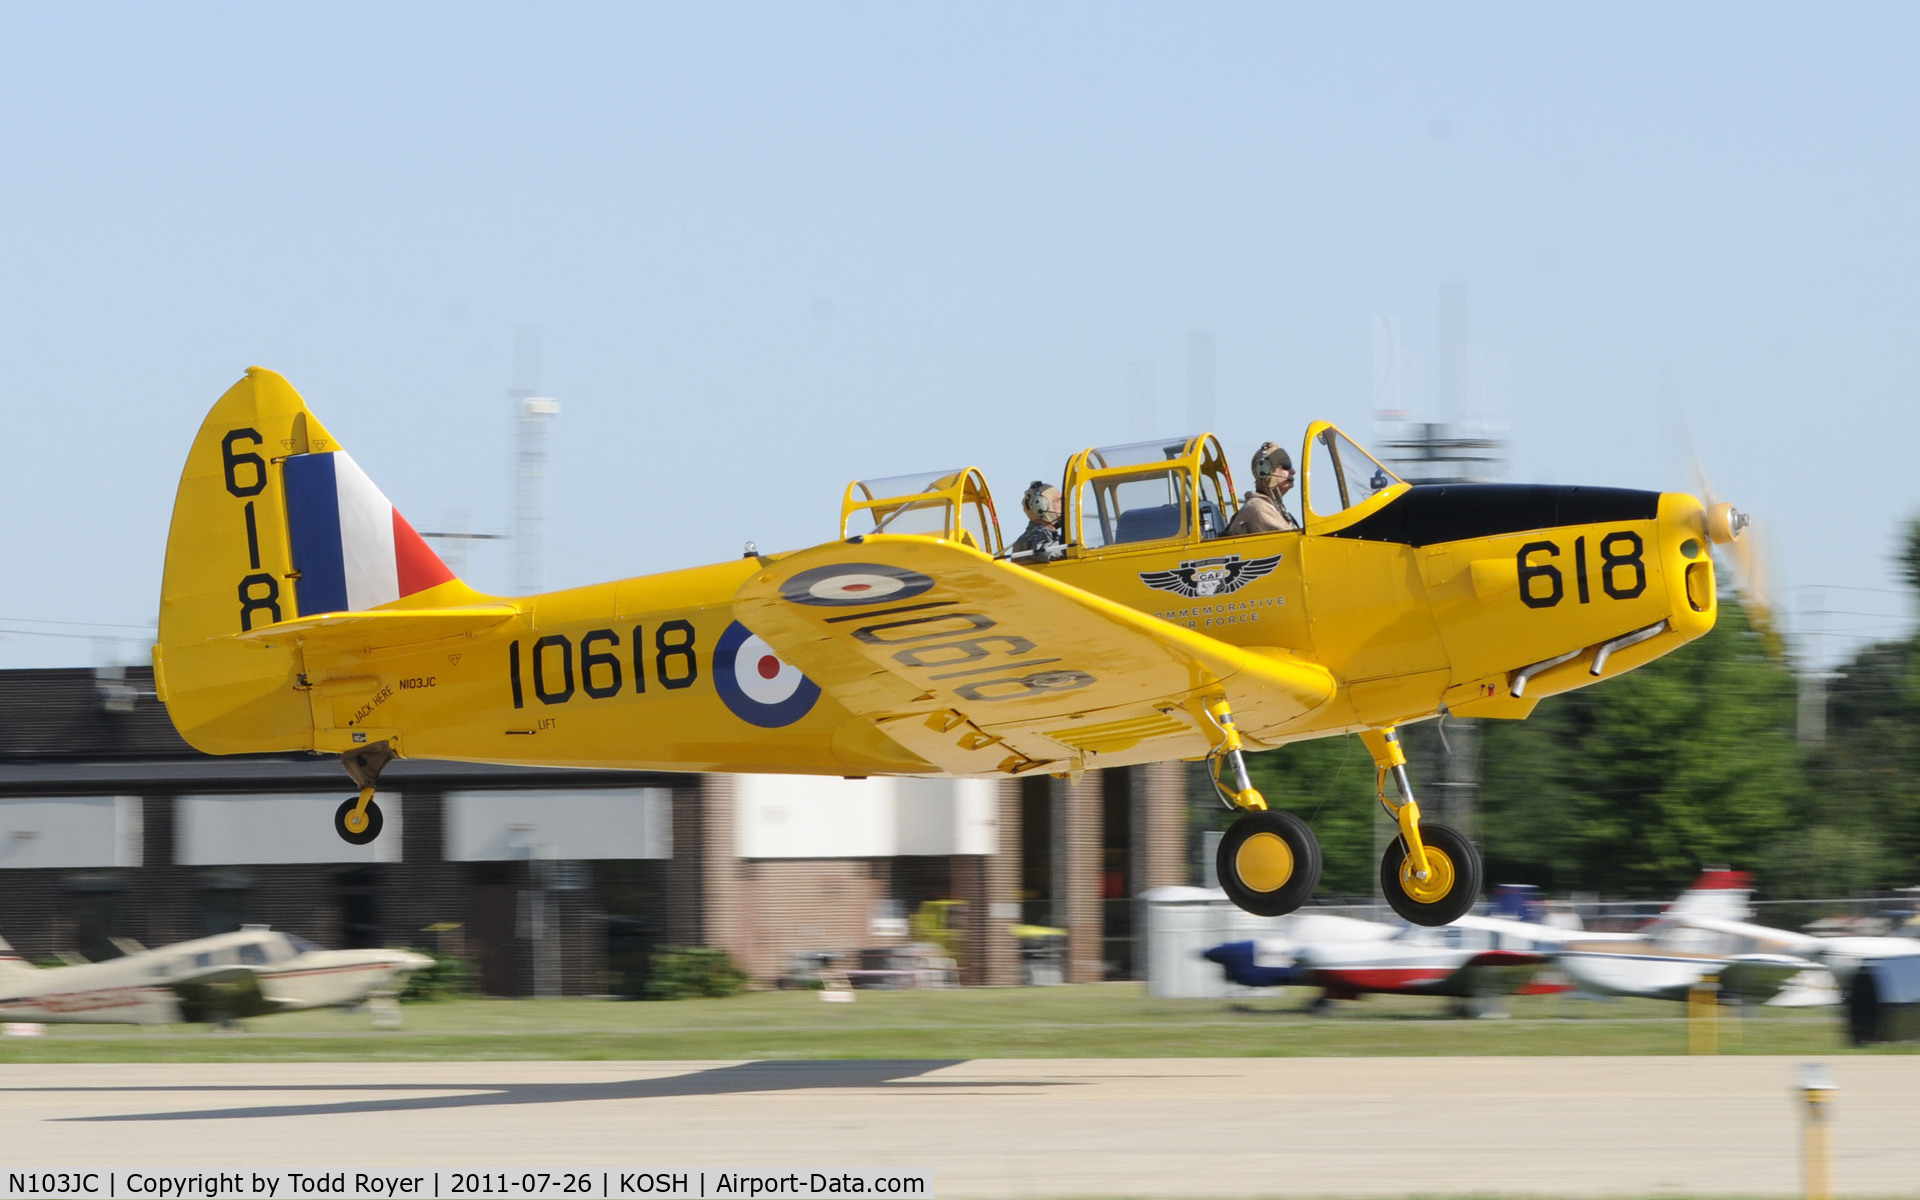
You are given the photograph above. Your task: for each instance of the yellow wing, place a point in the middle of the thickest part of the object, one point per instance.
(983, 667)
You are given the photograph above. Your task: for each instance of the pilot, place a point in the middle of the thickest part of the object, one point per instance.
(1262, 511)
(1042, 536)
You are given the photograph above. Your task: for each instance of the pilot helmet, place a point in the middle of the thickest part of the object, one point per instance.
(1042, 502)
(1271, 457)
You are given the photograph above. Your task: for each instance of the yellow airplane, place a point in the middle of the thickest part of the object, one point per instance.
(299, 611)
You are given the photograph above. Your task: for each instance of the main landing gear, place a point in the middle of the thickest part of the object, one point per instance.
(358, 820)
(1269, 861)
(1430, 874)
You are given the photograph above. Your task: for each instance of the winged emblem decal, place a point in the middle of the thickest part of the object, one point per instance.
(1210, 576)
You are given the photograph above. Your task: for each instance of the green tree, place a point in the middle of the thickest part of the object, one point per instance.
(1861, 809)
(1630, 786)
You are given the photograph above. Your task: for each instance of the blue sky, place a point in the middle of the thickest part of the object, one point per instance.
(772, 248)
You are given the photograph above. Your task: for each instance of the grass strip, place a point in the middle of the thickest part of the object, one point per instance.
(1094, 1021)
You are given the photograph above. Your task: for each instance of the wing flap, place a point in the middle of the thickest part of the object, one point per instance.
(981, 666)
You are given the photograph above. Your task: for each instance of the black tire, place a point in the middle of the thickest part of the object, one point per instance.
(1299, 875)
(1463, 862)
(374, 822)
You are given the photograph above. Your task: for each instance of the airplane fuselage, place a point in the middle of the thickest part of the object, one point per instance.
(657, 672)
(155, 986)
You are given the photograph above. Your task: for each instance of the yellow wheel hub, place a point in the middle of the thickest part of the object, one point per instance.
(1264, 862)
(356, 821)
(1435, 886)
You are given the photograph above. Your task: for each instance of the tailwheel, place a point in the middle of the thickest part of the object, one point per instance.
(358, 820)
(1269, 863)
(1452, 883)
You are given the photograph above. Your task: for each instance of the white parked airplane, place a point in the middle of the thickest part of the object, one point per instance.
(1464, 964)
(1347, 958)
(249, 973)
(1675, 952)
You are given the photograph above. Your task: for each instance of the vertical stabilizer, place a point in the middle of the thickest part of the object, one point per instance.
(1718, 893)
(273, 521)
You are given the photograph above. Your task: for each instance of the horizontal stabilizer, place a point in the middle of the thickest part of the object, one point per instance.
(1798, 943)
(377, 629)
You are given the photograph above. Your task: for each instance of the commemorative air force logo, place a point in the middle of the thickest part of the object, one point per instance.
(1210, 576)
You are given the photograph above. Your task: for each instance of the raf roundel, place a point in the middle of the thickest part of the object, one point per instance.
(756, 685)
(844, 585)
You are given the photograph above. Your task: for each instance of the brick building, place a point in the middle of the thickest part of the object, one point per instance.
(553, 881)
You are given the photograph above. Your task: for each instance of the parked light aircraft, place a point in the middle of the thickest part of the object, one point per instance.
(1477, 957)
(299, 611)
(1463, 964)
(1346, 958)
(249, 973)
(1672, 955)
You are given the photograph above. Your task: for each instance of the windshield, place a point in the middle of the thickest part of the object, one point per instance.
(1341, 474)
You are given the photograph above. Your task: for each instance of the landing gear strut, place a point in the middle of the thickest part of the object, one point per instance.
(1268, 861)
(1430, 874)
(358, 820)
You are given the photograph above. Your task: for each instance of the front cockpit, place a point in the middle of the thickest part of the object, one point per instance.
(1341, 478)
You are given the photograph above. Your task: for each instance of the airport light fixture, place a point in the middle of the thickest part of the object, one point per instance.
(1816, 1086)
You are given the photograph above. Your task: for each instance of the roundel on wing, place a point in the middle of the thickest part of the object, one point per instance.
(843, 585)
(755, 684)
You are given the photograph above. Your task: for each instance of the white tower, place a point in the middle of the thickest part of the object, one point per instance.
(530, 492)
(531, 413)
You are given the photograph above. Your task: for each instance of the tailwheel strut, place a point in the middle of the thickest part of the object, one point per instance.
(1431, 873)
(358, 820)
(1268, 862)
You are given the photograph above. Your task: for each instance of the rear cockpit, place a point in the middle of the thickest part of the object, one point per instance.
(1171, 489)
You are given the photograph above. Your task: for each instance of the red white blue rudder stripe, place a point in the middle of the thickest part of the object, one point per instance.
(352, 549)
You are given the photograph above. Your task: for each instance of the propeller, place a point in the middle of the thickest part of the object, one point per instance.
(1741, 553)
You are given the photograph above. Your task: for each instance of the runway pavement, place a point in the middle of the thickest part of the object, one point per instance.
(1007, 1127)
